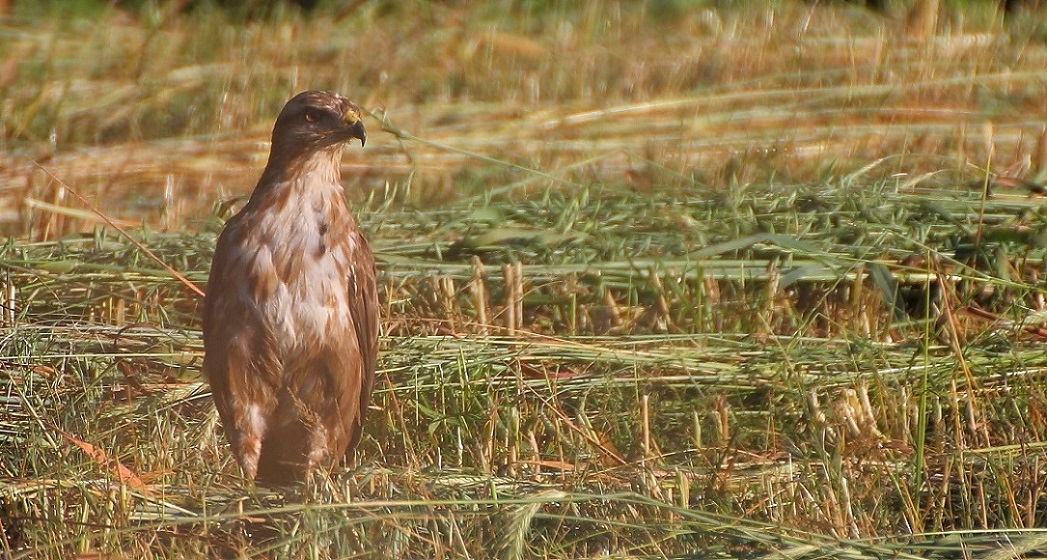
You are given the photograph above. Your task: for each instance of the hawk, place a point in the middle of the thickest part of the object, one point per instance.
(290, 319)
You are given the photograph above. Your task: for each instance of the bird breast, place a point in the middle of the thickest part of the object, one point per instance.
(299, 267)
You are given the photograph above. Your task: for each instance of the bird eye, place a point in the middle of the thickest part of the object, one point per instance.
(313, 115)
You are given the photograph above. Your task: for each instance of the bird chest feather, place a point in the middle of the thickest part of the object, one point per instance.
(298, 263)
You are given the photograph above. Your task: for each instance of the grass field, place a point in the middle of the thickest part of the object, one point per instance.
(659, 279)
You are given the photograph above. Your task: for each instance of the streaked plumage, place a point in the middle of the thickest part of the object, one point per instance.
(291, 314)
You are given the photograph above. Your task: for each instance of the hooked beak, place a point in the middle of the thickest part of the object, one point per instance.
(355, 128)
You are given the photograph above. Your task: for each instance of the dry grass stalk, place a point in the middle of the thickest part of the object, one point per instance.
(509, 304)
(478, 289)
(922, 21)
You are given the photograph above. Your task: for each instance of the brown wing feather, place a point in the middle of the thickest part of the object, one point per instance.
(363, 306)
(240, 360)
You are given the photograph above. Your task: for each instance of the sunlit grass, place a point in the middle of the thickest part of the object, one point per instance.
(748, 282)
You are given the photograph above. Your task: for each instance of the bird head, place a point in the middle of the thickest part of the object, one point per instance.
(316, 120)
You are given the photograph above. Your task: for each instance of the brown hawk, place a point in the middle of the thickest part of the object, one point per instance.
(291, 315)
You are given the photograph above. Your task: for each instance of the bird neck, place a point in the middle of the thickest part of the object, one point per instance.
(315, 176)
(321, 165)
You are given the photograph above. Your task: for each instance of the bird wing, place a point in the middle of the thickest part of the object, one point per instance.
(363, 308)
(240, 354)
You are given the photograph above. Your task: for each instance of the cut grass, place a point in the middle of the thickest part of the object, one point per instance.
(711, 96)
(765, 378)
(753, 283)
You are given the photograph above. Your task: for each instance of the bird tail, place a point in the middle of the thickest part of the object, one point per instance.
(283, 459)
